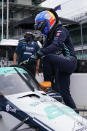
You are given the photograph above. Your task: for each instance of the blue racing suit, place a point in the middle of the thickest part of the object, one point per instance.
(25, 50)
(60, 60)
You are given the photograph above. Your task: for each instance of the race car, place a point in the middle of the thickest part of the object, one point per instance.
(24, 106)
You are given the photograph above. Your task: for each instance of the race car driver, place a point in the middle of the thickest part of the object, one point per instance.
(59, 57)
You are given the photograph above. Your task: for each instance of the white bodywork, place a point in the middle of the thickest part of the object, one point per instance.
(48, 111)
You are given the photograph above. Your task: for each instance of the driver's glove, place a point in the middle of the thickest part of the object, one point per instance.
(33, 57)
(39, 54)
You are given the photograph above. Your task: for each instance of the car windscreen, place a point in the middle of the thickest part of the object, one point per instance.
(12, 83)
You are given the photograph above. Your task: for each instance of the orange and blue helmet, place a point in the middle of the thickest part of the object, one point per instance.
(44, 21)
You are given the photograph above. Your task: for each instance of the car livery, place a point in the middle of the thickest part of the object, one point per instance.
(33, 106)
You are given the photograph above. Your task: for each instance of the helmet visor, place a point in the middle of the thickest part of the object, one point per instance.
(40, 25)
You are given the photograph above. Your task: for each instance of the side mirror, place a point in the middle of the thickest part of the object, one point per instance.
(45, 85)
